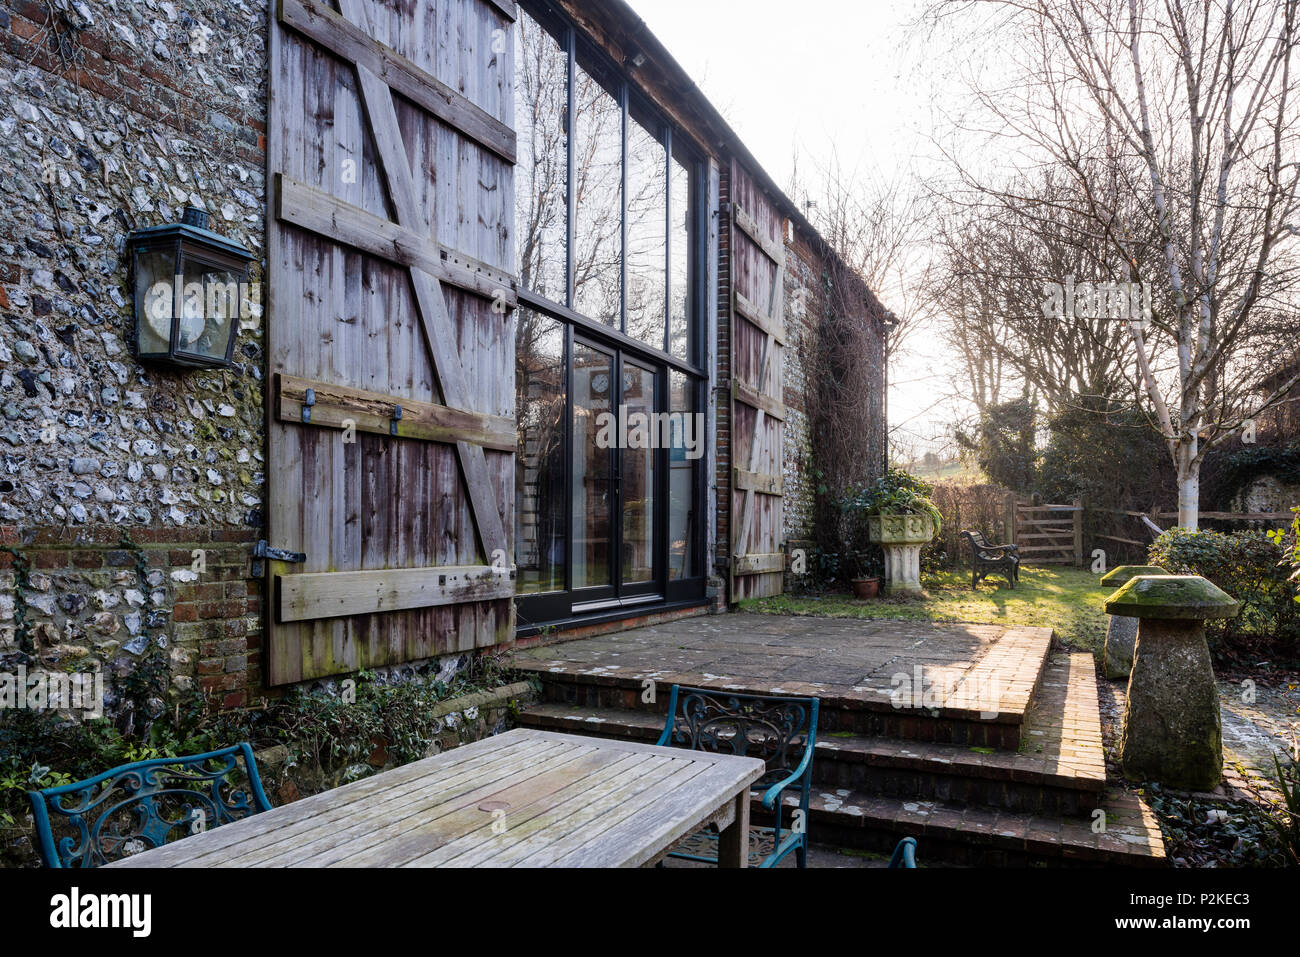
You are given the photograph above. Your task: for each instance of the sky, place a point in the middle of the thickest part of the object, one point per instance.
(849, 79)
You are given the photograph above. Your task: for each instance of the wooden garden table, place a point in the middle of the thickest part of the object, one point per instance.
(525, 798)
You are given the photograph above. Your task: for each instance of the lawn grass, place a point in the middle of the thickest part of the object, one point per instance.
(1067, 600)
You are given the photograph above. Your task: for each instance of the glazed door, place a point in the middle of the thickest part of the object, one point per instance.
(616, 469)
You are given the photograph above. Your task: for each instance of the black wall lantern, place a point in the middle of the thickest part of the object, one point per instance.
(189, 292)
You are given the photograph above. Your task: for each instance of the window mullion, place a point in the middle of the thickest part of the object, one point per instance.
(571, 230)
(668, 237)
(623, 97)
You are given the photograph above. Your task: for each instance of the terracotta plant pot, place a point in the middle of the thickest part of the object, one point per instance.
(866, 587)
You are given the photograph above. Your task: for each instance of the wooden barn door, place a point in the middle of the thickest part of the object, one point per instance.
(757, 368)
(390, 333)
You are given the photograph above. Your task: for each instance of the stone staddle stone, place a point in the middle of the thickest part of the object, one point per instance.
(1172, 732)
(1121, 632)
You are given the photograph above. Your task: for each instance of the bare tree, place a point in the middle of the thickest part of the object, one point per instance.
(1177, 123)
(993, 258)
(876, 226)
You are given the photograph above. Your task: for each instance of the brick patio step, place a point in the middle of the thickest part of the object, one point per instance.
(1012, 666)
(1020, 788)
(858, 670)
(1059, 769)
(954, 833)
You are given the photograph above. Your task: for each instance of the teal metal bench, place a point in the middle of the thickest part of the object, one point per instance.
(143, 805)
(782, 731)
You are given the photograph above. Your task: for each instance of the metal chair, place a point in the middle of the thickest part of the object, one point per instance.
(904, 856)
(143, 805)
(987, 558)
(782, 731)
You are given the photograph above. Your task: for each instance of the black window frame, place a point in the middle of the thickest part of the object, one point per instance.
(554, 609)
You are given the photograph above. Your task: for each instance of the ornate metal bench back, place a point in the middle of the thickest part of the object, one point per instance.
(982, 549)
(139, 806)
(777, 729)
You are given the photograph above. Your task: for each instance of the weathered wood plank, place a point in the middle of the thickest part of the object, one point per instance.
(351, 43)
(744, 392)
(733, 839)
(630, 801)
(749, 226)
(377, 99)
(769, 379)
(571, 800)
(328, 809)
(760, 482)
(352, 315)
(755, 564)
(317, 211)
(540, 818)
(507, 8)
(335, 406)
(666, 819)
(397, 845)
(438, 790)
(313, 596)
(556, 823)
(747, 310)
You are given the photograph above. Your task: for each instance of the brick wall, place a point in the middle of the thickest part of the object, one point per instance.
(114, 115)
(93, 596)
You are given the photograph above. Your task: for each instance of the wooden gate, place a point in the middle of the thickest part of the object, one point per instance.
(757, 369)
(1049, 534)
(390, 333)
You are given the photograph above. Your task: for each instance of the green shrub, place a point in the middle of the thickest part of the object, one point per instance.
(1292, 545)
(1250, 567)
(895, 491)
(1104, 453)
(1002, 443)
(324, 733)
(1286, 821)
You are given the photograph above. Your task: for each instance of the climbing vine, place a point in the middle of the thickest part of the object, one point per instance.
(22, 582)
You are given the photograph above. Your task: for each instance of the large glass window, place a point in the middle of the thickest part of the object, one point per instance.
(605, 218)
(647, 229)
(685, 448)
(542, 168)
(593, 474)
(609, 480)
(680, 280)
(598, 199)
(637, 474)
(540, 393)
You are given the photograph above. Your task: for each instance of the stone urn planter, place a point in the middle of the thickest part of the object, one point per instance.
(902, 536)
(1121, 632)
(1173, 732)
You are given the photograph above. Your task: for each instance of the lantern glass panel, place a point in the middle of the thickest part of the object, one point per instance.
(155, 276)
(210, 298)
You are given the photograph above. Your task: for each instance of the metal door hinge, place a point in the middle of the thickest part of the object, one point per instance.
(263, 553)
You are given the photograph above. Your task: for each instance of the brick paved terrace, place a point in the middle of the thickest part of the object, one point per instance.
(995, 757)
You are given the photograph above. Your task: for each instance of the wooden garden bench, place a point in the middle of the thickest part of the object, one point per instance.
(987, 559)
